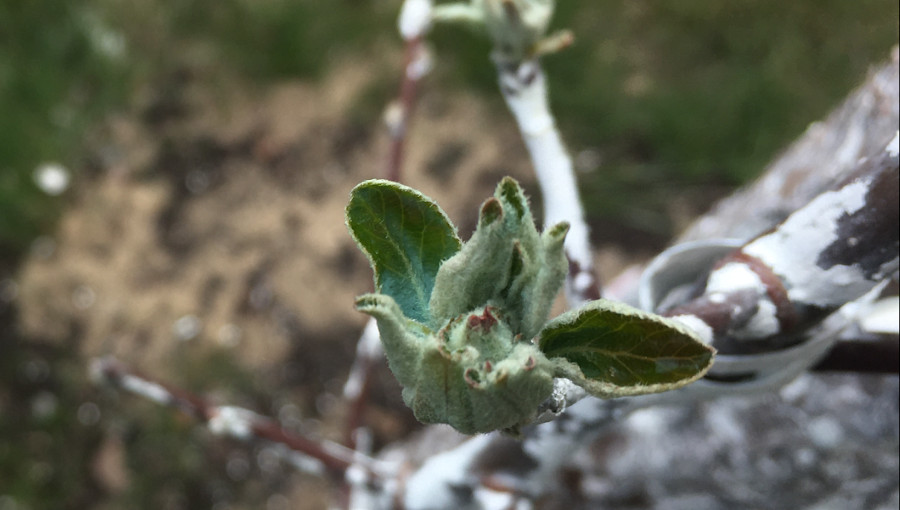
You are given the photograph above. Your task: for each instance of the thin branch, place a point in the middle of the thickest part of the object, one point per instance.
(369, 354)
(414, 23)
(235, 422)
(525, 91)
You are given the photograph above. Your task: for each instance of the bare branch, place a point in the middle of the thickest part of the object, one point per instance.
(235, 422)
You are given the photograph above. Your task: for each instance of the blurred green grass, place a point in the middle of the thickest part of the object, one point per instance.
(58, 73)
(668, 92)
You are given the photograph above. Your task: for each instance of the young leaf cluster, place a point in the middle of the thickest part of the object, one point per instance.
(464, 325)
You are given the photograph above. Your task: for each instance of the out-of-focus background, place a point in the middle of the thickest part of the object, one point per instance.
(173, 177)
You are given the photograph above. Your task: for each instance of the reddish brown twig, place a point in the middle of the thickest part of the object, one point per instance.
(399, 112)
(231, 421)
(413, 26)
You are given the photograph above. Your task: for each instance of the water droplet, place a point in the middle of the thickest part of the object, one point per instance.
(83, 297)
(36, 370)
(43, 247)
(9, 290)
(52, 178)
(229, 335)
(290, 417)
(44, 405)
(197, 181)
(88, 414)
(268, 460)
(237, 468)
(825, 432)
(187, 327)
(278, 502)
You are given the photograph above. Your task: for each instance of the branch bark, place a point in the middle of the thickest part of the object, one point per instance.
(823, 156)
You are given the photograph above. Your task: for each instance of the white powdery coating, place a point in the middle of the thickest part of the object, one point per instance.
(420, 65)
(697, 325)
(792, 250)
(717, 297)
(893, 148)
(432, 485)
(415, 18)
(736, 276)
(490, 499)
(553, 443)
(368, 348)
(726, 424)
(763, 324)
(394, 119)
(648, 422)
(146, 389)
(529, 101)
(882, 316)
(583, 281)
(304, 464)
(551, 160)
(232, 421)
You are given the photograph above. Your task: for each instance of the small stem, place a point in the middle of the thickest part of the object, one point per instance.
(399, 112)
(414, 23)
(358, 387)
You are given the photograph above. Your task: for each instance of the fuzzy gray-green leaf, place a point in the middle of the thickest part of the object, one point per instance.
(612, 350)
(406, 237)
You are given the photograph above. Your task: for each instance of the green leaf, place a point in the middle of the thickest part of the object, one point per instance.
(406, 237)
(614, 350)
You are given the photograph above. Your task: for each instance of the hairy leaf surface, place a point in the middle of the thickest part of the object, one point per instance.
(613, 350)
(406, 236)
